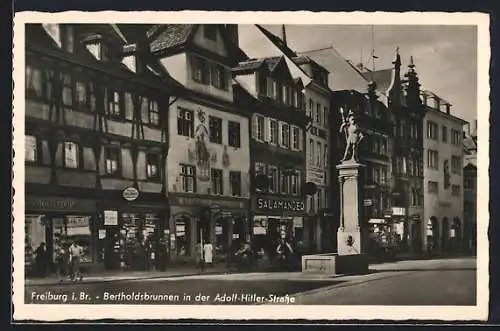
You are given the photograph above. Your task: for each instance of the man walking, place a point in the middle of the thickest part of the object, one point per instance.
(75, 253)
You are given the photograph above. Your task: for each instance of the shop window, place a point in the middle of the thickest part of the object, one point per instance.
(31, 149)
(73, 228)
(114, 108)
(188, 176)
(112, 160)
(153, 113)
(182, 236)
(234, 137)
(235, 179)
(221, 236)
(217, 181)
(185, 122)
(215, 125)
(35, 234)
(71, 155)
(153, 166)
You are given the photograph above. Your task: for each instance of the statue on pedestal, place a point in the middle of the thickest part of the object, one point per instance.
(353, 135)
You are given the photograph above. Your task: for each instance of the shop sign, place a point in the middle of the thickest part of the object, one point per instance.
(207, 202)
(277, 204)
(110, 217)
(398, 211)
(59, 204)
(130, 193)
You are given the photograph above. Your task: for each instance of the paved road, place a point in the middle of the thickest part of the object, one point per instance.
(436, 282)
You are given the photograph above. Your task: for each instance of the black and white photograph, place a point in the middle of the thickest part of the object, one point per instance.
(219, 165)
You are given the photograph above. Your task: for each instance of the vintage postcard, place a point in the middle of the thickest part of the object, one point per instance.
(242, 165)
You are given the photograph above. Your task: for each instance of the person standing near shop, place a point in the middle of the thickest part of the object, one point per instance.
(208, 251)
(41, 260)
(75, 253)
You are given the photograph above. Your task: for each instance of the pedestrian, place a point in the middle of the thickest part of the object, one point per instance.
(41, 260)
(62, 259)
(75, 253)
(198, 250)
(208, 252)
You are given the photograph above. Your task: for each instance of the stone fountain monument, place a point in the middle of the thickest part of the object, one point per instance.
(351, 234)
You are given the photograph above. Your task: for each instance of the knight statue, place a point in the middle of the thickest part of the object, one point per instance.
(353, 134)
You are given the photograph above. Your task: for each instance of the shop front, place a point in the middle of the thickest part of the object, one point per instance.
(115, 232)
(274, 219)
(222, 221)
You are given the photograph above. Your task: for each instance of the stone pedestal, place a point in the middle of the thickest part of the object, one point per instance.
(351, 235)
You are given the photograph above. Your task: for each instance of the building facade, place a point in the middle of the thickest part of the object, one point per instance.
(470, 189)
(443, 176)
(267, 89)
(95, 147)
(209, 159)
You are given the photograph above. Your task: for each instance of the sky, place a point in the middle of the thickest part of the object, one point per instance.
(445, 56)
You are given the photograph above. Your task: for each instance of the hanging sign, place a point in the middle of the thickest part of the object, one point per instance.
(130, 193)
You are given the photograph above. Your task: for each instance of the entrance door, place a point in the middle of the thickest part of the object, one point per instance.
(113, 250)
(445, 235)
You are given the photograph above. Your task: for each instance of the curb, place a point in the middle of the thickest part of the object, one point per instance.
(98, 281)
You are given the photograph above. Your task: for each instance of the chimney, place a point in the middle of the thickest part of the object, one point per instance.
(232, 33)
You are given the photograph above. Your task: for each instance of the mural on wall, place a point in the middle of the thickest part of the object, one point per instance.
(198, 151)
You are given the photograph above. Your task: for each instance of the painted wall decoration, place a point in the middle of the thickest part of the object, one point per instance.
(199, 152)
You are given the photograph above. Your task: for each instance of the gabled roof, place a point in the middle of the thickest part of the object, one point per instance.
(342, 75)
(278, 42)
(170, 36)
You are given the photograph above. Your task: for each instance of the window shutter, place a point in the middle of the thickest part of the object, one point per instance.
(254, 126)
(267, 129)
(280, 133)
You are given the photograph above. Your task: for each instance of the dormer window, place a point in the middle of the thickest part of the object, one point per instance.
(210, 31)
(97, 47)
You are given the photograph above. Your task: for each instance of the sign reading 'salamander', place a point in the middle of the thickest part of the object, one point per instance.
(277, 204)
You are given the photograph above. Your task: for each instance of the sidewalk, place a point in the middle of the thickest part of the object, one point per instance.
(109, 276)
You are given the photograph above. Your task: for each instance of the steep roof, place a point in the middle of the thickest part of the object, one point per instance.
(171, 36)
(342, 75)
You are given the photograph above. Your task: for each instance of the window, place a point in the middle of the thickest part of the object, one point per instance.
(217, 181)
(325, 156)
(455, 137)
(188, 178)
(271, 88)
(273, 179)
(153, 166)
(455, 190)
(182, 236)
(318, 114)
(433, 187)
(210, 31)
(325, 117)
(432, 159)
(67, 90)
(235, 179)
(319, 154)
(31, 149)
(215, 126)
(295, 183)
(456, 165)
(153, 113)
(34, 82)
(258, 127)
(432, 130)
(445, 134)
(200, 70)
(185, 122)
(383, 147)
(262, 83)
(295, 138)
(114, 104)
(273, 131)
(81, 94)
(311, 151)
(310, 110)
(285, 183)
(319, 199)
(218, 76)
(285, 135)
(233, 129)
(71, 155)
(468, 183)
(112, 160)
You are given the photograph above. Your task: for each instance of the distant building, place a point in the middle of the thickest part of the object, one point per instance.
(443, 175)
(470, 188)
